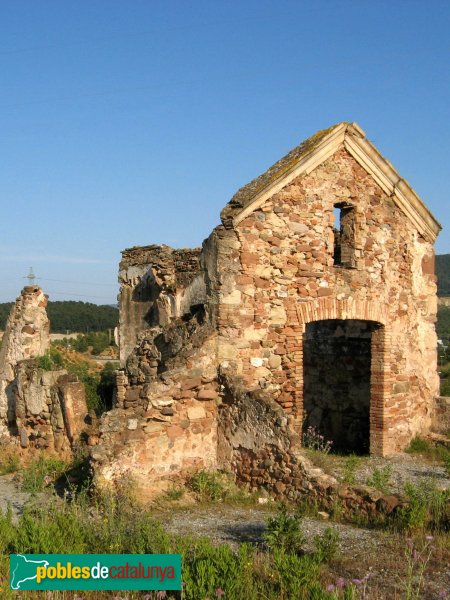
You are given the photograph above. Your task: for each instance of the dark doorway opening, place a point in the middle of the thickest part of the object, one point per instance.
(337, 372)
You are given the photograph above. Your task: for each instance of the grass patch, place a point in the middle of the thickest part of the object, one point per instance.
(41, 472)
(9, 461)
(432, 452)
(174, 493)
(213, 486)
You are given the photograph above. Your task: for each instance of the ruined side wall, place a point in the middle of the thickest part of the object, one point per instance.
(26, 336)
(277, 266)
(157, 283)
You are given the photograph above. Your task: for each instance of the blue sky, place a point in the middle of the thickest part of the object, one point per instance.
(134, 123)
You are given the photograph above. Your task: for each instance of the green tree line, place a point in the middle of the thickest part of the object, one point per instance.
(72, 316)
(443, 323)
(443, 274)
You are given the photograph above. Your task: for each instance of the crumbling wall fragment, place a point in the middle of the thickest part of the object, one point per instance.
(27, 335)
(158, 284)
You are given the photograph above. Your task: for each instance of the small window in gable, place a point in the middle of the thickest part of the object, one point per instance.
(344, 235)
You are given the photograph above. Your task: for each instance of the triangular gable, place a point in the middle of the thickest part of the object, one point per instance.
(314, 151)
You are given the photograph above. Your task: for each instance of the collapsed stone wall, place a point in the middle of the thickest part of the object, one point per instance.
(49, 408)
(27, 335)
(258, 445)
(163, 423)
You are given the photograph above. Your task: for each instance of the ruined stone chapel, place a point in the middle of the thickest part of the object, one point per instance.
(313, 303)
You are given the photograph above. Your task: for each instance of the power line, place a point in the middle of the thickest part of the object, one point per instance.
(76, 282)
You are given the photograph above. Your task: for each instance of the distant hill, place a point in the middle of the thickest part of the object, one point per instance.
(68, 315)
(443, 274)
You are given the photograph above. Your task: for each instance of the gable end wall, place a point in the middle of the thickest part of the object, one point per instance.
(281, 266)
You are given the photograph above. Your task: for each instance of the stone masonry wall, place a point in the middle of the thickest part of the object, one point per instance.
(277, 272)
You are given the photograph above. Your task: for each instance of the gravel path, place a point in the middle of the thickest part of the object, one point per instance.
(237, 524)
(405, 468)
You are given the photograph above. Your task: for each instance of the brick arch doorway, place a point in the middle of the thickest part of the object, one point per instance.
(343, 365)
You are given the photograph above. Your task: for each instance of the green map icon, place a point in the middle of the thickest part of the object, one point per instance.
(23, 569)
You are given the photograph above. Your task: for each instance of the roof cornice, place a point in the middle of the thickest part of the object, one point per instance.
(353, 139)
(390, 181)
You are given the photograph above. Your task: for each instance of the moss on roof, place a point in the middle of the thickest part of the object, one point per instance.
(245, 195)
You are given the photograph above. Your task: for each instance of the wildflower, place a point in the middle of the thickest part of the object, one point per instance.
(161, 595)
(340, 583)
(330, 588)
(220, 592)
(429, 538)
(357, 581)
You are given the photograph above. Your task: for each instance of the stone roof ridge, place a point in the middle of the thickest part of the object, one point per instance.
(314, 151)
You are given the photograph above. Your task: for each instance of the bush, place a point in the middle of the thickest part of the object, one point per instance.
(381, 479)
(326, 545)
(446, 461)
(445, 387)
(284, 531)
(207, 485)
(51, 361)
(419, 446)
(427, 508)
